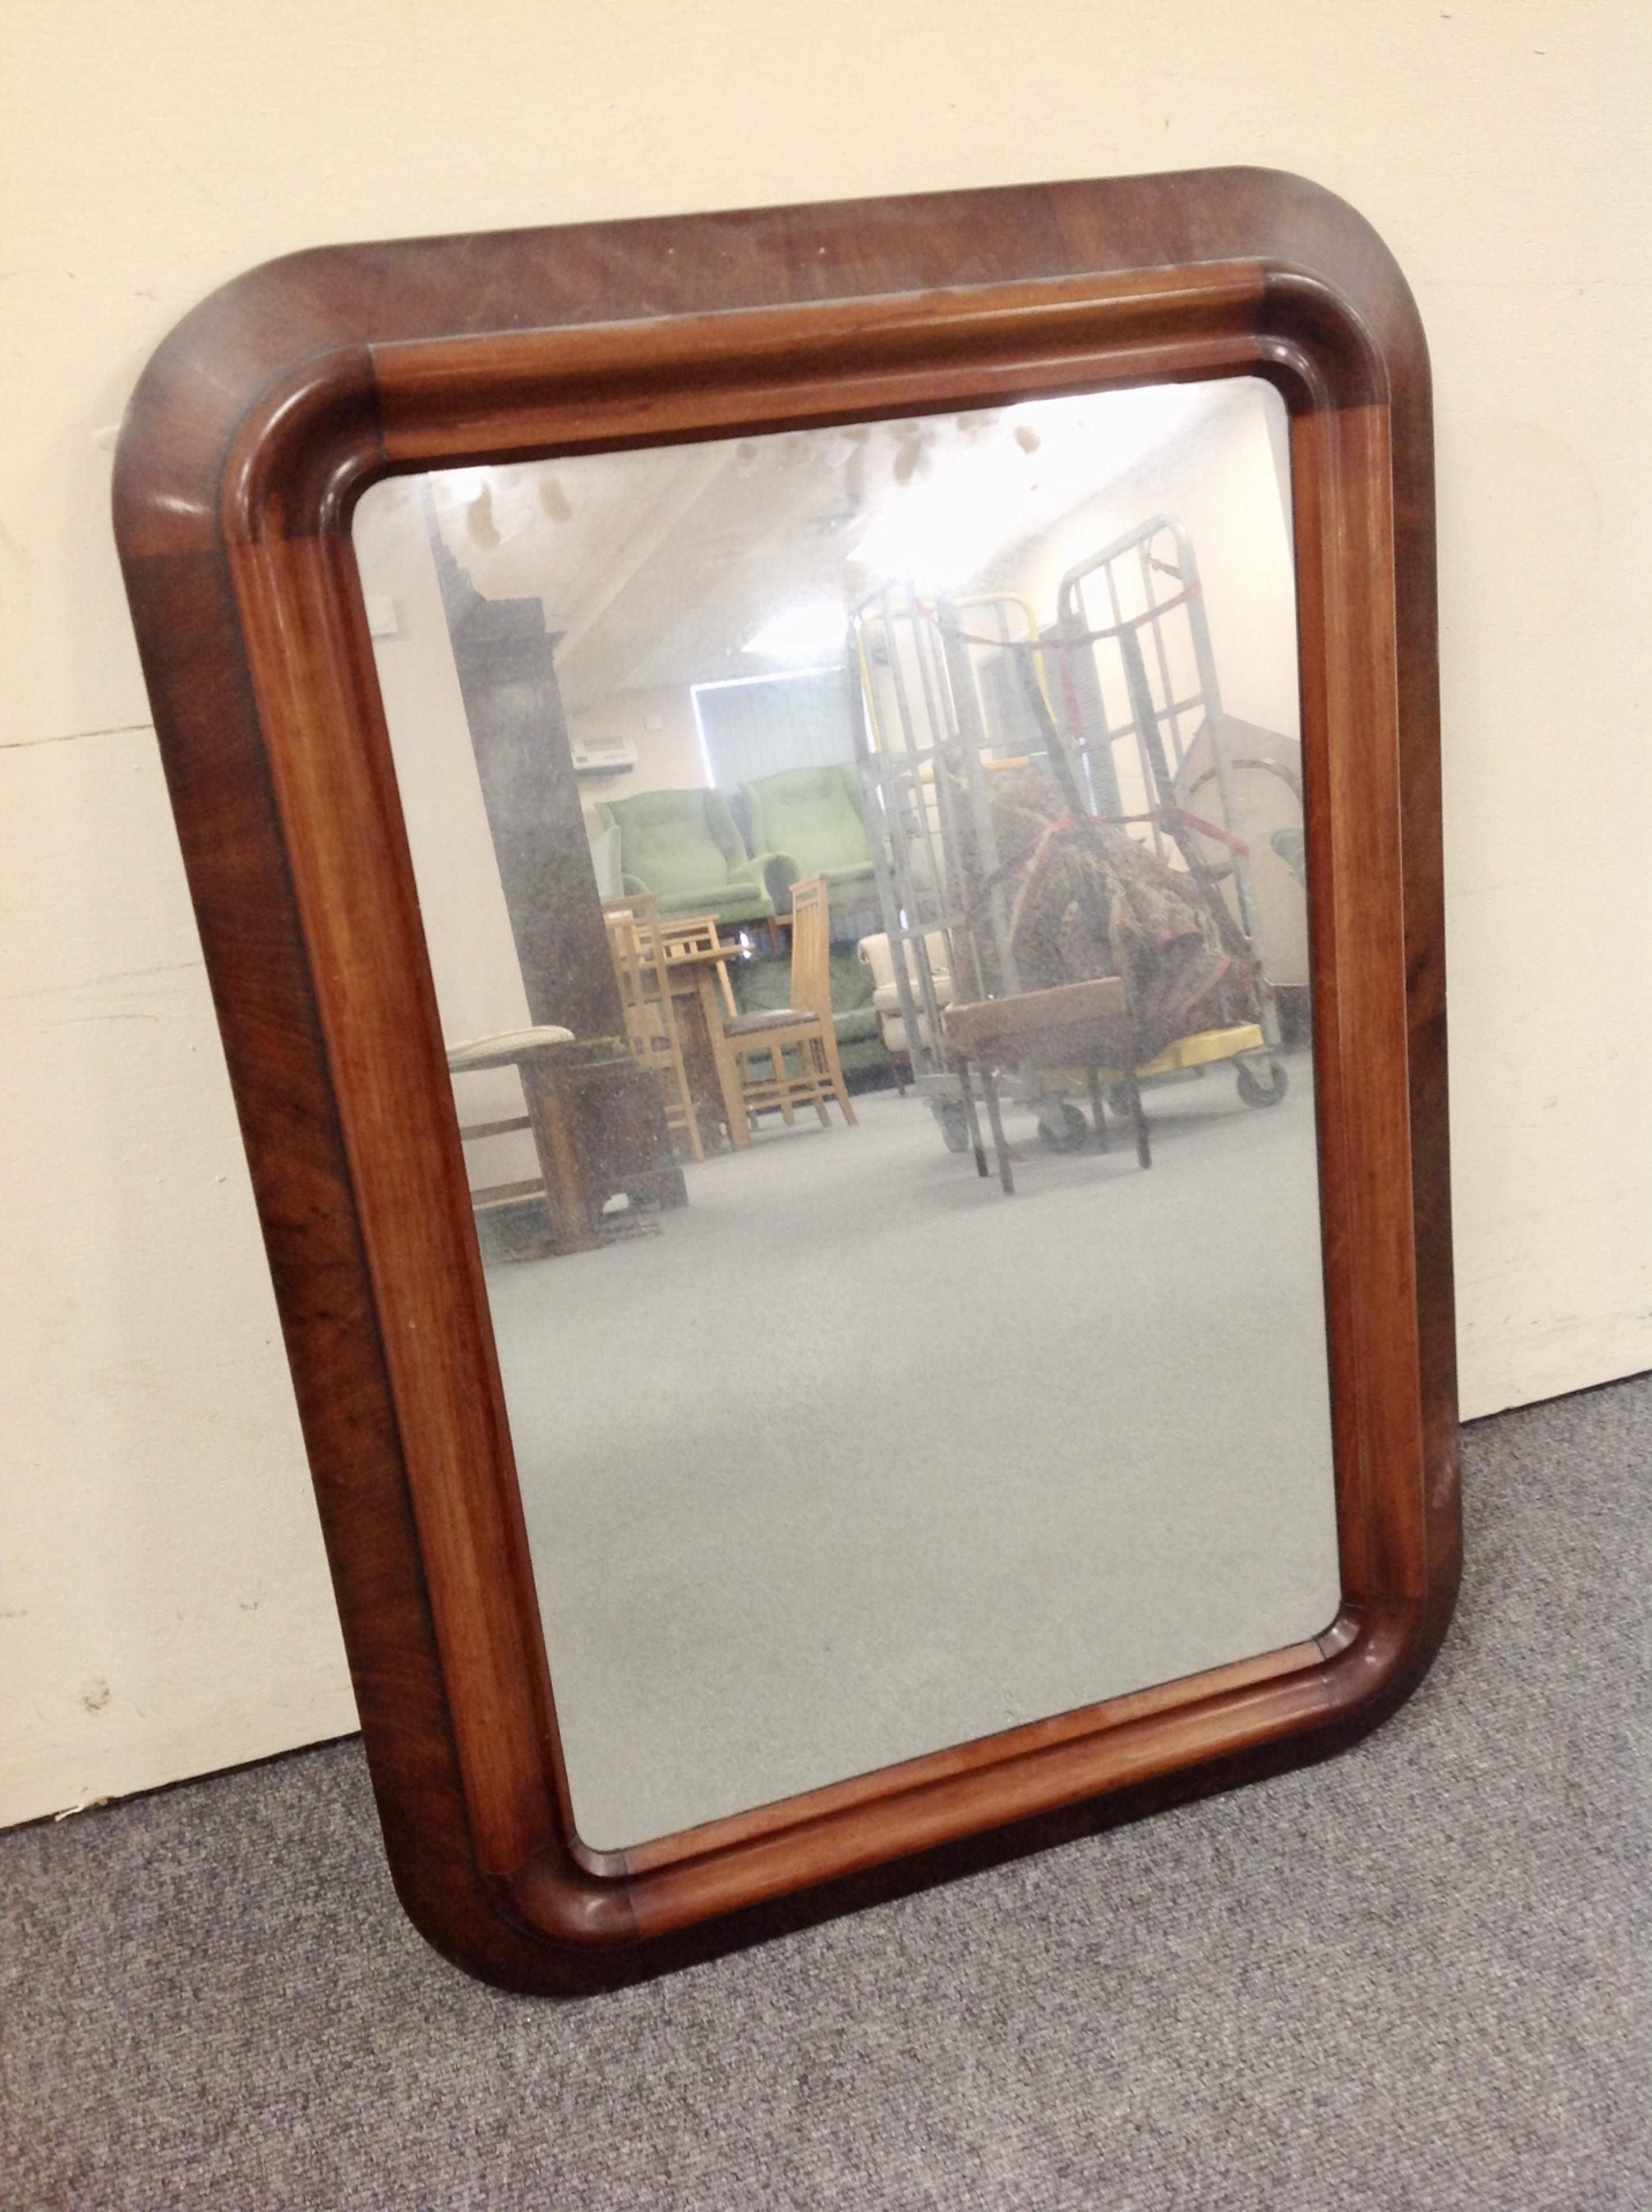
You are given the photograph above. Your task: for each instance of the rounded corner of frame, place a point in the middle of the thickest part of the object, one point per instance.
(1376, 1657)
(239, 398)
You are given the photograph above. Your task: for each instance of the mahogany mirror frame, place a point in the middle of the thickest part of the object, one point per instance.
(259, 422)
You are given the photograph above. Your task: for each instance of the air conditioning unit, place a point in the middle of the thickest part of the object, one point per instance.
(603, 756)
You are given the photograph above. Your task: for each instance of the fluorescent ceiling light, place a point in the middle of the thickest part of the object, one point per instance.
(802, 632)
(1011, 478)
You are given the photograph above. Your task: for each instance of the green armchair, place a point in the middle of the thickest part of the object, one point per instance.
(682, 846)
(763, 985)
(812, 815)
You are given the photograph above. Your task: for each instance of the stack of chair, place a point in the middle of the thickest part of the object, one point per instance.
(651, 1028)
(762, 1041)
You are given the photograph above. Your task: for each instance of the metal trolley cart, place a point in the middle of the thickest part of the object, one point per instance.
(925, 765)
(1135, 671)
(956, 694)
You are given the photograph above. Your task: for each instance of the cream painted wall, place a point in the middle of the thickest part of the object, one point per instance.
(163, 1604)
(659, 722)
(1223, 484)
(478, 980)
(467, 926)
(473, 961)
(1226, 482)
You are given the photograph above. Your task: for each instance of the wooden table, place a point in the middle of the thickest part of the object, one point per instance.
(1072, 1025)
(598, 1127)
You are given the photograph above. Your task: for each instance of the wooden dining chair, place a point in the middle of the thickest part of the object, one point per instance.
(804, 1028)
(635, 946)
(699, 935)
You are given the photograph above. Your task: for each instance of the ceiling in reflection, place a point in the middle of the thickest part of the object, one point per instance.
(741, 556)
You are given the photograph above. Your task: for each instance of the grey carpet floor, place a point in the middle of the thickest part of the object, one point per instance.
(856, 1457)
(1416, 1976)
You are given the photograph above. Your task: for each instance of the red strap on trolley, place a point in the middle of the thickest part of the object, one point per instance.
(1206, 830)
(1162, 817)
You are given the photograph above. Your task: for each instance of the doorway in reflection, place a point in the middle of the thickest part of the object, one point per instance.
(865, 882)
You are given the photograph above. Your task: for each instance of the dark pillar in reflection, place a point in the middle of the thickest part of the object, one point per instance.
(507, 681)
(507, 677)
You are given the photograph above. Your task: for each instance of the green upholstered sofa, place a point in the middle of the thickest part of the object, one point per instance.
(682, 846)
(812, 816)
(761, 984)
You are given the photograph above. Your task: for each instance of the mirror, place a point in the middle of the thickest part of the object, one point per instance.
(816, 833)
(832, 1453)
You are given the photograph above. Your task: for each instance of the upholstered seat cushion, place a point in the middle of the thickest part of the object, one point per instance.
(493, 1048)
(878, 957)
(887, 996)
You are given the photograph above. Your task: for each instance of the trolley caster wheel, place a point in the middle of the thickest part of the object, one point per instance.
(1118, 1097)
(1256, 1093)
(954, 1124)
(1062, 1128)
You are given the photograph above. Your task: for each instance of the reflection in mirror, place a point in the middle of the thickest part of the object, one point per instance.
(864, 876)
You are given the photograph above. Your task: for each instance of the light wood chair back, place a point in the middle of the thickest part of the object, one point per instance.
(762, 1041)
(637, 948)
(812, 948)
(699, 933)
(642, 906)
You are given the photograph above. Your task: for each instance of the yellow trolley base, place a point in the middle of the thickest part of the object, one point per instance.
(1196, 1051)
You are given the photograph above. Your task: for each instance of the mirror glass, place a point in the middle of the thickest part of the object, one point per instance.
(864, 876)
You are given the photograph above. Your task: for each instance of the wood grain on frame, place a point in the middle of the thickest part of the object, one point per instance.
(258, 424)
